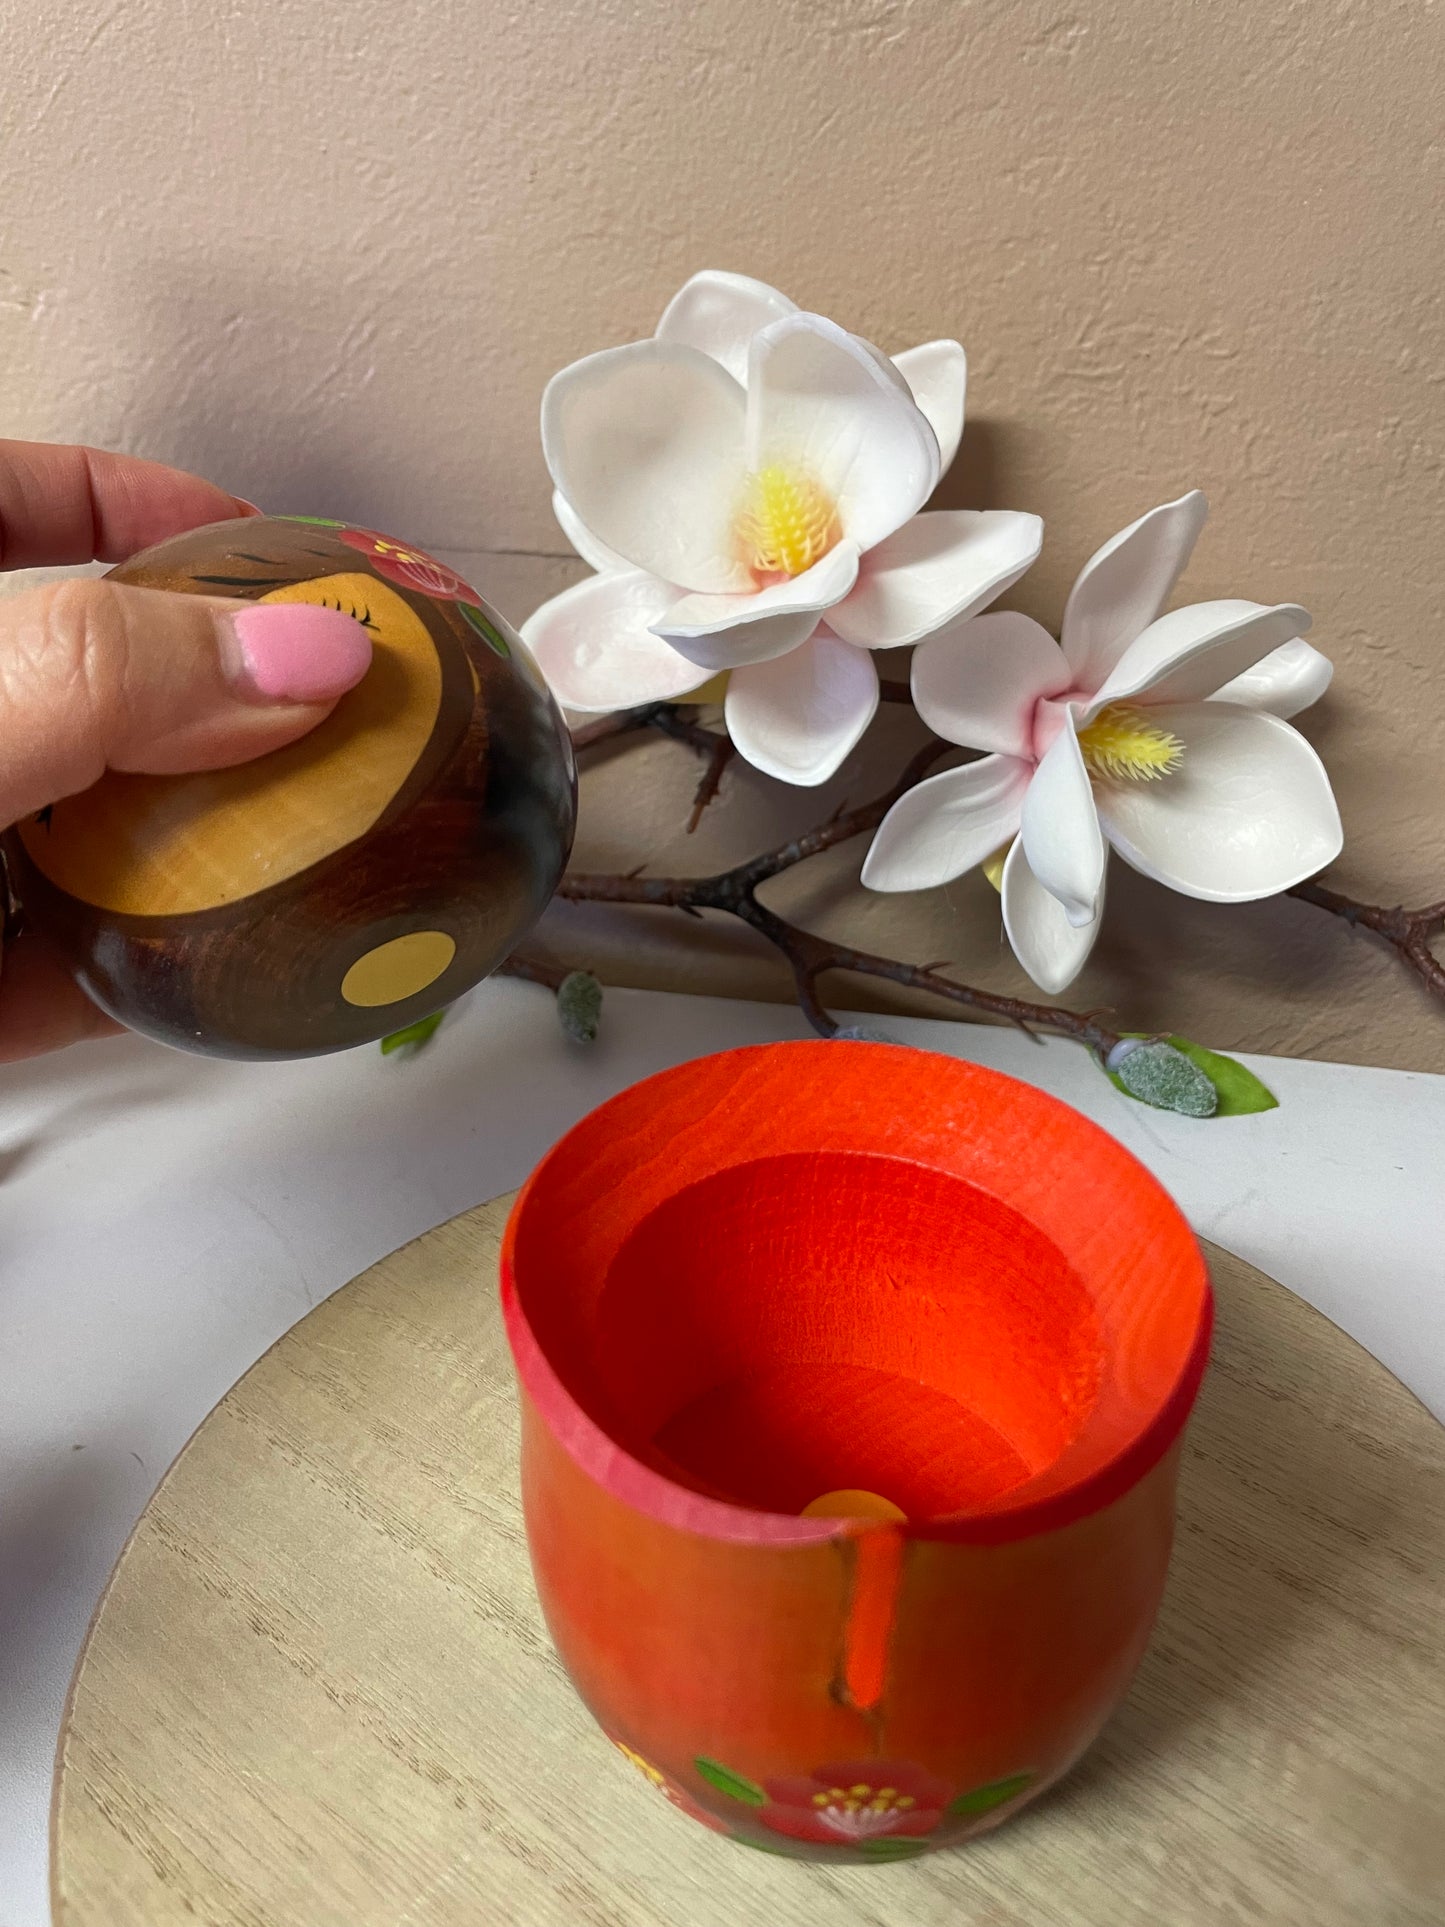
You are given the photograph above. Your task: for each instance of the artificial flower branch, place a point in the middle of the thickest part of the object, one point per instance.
(810, 957)
(734, 892)
(1409, 931)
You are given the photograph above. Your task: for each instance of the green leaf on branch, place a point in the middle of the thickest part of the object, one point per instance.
(1158, 1075)
(1237, 1091)
(579, 1006)
(734, 1785)
(1240, 1091)
(414, 1036)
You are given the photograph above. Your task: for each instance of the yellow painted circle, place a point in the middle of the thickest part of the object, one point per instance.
(399, 969)
(852, 1504)
(166, 846)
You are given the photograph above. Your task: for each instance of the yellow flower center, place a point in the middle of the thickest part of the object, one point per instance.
(1123, 746)
(992, 866)
(787, 521)
(860, 1799)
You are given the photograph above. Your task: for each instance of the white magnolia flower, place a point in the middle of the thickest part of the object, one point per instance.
(1162, 736)
(747, 485)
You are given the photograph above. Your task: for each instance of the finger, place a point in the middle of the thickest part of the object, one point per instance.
(95, 675)
(60, 505)
(41, 1006)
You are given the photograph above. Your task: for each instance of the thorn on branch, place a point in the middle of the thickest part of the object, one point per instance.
(710, 780)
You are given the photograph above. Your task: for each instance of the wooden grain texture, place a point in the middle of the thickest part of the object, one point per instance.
(318, 1692)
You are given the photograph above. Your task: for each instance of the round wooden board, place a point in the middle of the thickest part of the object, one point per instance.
(318, 1692)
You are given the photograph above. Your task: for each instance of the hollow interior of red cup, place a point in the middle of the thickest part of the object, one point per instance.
(868, 1269)
(797, 1325)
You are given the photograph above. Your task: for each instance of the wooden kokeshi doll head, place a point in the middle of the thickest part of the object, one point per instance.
(852, 1384)
(351, 883)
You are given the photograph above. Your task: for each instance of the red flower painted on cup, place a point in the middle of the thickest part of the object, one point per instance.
(410, 568)
(850, 1801)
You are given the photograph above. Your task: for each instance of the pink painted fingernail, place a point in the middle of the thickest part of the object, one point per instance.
(295, 652)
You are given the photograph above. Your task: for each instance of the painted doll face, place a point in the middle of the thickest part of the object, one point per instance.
(391, 857)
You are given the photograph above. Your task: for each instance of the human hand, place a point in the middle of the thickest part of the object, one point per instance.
(97, 676)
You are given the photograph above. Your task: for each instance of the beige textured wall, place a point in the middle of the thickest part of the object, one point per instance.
(330, 255)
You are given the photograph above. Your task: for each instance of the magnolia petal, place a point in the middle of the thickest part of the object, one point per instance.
(937, 375)
(724, 632)
(1284, 682)
(936, 570)
(819, 402)
(595, 648)
(646, 443)
(1188, 654)
(720, 313)
(1051, 948)
(799, 715)
(1247, 813)
(947, 824)
(978, 684)
(1124, 585)
(886, 367)
(595, 554)
(1060, 828)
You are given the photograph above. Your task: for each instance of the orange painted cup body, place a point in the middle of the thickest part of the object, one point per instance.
(803, 1269)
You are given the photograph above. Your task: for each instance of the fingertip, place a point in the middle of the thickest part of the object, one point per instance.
(298, 652)
(42, 1008)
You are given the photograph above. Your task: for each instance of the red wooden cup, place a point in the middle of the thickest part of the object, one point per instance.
(852, 1384)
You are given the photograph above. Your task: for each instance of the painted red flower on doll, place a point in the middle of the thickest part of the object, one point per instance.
(855, 1800)
(410, 568)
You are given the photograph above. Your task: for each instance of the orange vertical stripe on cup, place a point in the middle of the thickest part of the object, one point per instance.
(872, 1608)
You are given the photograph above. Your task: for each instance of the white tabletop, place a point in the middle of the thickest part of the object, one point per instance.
(163, 1219)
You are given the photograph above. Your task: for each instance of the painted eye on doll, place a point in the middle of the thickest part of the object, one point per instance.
(350, 883)
(362, 615)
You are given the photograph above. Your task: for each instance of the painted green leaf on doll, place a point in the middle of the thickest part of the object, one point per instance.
(488, 631)
(888, 1849)
(734, 1785)
(984, 1799)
